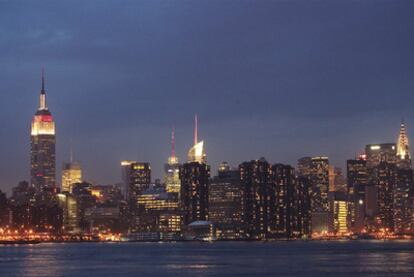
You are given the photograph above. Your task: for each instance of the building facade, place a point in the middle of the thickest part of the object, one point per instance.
(42, 147)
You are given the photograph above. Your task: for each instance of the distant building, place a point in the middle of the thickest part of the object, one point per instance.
(403, 202)
(71, 219)
(357, 183)
(339, 221)
(42, 147)
(404, 186)
(255, 179)
(225, 203)
(158, 212)
(317, 171)
(137, 178)
(172, 170)
(4, 210)
(195, 177)
(403, 149)
(386, 178)
(377, 153)
(71, 174)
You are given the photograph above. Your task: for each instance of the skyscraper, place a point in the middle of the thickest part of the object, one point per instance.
(172, 170)
(43, 141)
(255, 179)
(376, 153)
(194, 176)
(136, 177)
(403, 149)
(225, 203)
(357, 182)
(404, 186)
(197, 152)
(386, 178)
(283, 188)
(71, 174)
(317, 171)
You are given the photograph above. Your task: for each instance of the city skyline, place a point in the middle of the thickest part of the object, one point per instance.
(125, 110)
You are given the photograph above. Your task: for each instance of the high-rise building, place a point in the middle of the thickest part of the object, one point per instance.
(403, 149)
(42, 150)
(357, 182)
(339, 221)
(302, 207)
(136, 177)
(195, 177)
(69, 204)
(377, 153)
(255, 178)
(225, 203)
(283, 190)
(71, 174)
(172, 170)
(404, 186)
(386, 178)
(336, 179)
(403, 201)
(317, 171)
(304, 166)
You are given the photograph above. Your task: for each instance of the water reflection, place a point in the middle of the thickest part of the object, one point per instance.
(224, 259)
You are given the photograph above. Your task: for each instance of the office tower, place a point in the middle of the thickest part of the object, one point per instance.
(403, 149)
(71, 174)
(69, 204)
(282, 215)
(403, 201)
(386, 178)
(357, 182)
(377, 153)
(158, 211)
(172, 170)
(317, 171)
(336, 179)
(136, 177)
(303, 207)
(195, 176)
(42, 150)
(339, 215)
(404, 186)
(379, 191)
(304, 166)
(255, 178)
(225, 203)
(84, 200)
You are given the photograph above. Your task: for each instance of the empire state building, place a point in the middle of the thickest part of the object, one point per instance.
(42, 150)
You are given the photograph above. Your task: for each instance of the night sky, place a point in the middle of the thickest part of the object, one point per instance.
(279, 79)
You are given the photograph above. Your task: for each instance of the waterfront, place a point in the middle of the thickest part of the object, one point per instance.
(317, 258)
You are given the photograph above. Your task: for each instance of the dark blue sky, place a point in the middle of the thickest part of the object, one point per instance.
(280, 79)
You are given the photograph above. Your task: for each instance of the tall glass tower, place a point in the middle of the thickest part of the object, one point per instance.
(42, 150)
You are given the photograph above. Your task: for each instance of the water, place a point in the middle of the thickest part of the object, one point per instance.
(354, 258)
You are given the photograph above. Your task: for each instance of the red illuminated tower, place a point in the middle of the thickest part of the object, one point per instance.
(43, 141)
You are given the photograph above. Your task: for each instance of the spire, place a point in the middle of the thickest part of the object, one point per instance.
(403, 148)
(196, 153)
(173, 143)
(195, 130)
(43, 81)
(71, 151)
(42, 105)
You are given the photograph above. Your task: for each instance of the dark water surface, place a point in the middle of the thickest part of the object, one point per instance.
(355, 258)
